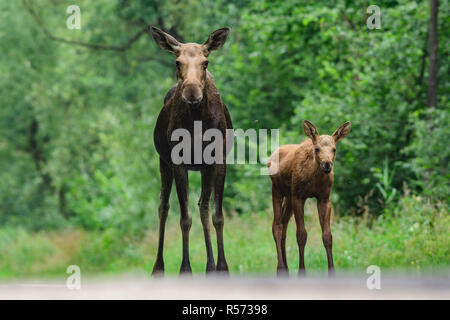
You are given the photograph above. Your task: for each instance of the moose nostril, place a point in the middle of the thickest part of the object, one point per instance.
(193, 99)
(326, 167)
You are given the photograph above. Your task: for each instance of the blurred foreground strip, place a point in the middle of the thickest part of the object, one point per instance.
(233, 288)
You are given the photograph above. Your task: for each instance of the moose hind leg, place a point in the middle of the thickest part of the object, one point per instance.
(277, 230)
(286, 216)
(163, 211)
(207, 180)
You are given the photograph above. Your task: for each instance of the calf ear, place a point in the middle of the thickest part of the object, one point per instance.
(165, 40)
(342, 131)
(216, 40)
(310, 130)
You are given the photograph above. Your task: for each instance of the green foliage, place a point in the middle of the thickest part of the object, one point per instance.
(385, 177)
(432, 154)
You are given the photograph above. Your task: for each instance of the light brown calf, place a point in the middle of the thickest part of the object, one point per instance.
(303, 171)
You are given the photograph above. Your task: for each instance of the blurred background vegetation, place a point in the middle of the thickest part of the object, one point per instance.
(79, 175)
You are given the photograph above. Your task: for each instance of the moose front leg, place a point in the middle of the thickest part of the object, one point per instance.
(166, 186)
(207, 181)
(298, 206)
(218, 219)
(324, 209)
(181, 182)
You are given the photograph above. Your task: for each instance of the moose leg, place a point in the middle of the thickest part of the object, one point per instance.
(207, 179)
(298, 206)
(181, 182)
(287, 214)
(324, 209)
(277, 230)
(166, 186)
(218, 219)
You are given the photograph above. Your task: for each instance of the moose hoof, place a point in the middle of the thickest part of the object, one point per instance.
(210, 268)
(158, 270)
(331, 273)
(283, 273)
(222, 268)
(185, 270)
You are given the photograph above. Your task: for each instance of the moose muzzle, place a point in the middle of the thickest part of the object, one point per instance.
(326, 166)
(192, 93)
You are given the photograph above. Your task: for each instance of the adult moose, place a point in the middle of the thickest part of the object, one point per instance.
(194, 98)
(303, 171)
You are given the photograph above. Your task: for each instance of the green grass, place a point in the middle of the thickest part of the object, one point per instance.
(411, 237)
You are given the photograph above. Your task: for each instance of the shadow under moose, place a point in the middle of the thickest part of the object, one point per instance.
(298, 172)
(194, 98)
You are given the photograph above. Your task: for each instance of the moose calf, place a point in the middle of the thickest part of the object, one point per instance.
(298, 172)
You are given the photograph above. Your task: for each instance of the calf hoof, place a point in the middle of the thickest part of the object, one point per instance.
(331, 273)
(301, 273)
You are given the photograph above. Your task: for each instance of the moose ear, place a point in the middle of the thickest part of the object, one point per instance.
(310, 130)
(216, 40)
(165, 40)
(342, 131)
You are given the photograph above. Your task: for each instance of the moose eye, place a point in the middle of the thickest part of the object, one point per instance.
(205, 64)
(316, 150)
(334, 150)
(177, 64)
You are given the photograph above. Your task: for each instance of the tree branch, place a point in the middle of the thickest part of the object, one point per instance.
(172, 31)
(127, 45)
(348, 20)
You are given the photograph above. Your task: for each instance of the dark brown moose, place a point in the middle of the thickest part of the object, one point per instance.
(194, 98)
(298, 172)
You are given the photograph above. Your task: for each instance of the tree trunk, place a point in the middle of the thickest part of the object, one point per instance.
(433, 52)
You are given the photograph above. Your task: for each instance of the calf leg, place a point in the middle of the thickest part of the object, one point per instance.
(324, 209)
(207, 179)
(277, 230)
(298, 207)
(166, 186)
(181, 182)
(218, 219)
(287, 214)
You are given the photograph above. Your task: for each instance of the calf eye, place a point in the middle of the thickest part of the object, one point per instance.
(334, 150)
(316, 150)
(177, 64)
(205, 64)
